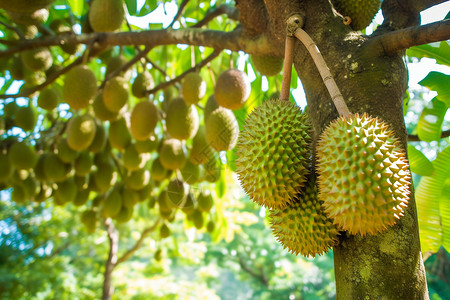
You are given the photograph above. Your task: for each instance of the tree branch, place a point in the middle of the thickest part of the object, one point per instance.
(392, 42)
(415, 138)
(111, 262)
(230, 11)
(179, 12)
(216, 39)
(182, 75)
(126, 256)
(257, 276)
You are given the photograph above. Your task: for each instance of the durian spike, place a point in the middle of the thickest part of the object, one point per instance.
(327, 78)
(287, 69)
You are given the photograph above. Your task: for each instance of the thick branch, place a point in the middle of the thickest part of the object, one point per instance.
(391, 43)
(110, 264)
(182, 75)
(247, 269)
(126, 256)
(230, 11)
(233, 40)
(415, 138)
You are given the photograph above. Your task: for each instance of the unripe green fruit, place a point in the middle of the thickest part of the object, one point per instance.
(132, 159)
(205, 201)
(143, 120)
(17, 69)
(191, 173)
(267, 65)
(80, 87)
(193, 88)
(274, 153)
(106, 15)
(142, 83)
(115, 63)
(188, 206)
(210, 227)
(361, 12)
(364, 177)
(125, 214)
(222, 130)
(302, 226)
(6, 167)
(22, 156)
(89, 219)
(172, 155)
(48, 98)
(82, 197)
(64, 152)
(157, 171)
(136, 180)
(83, 163)
(163, 202)
(105, 177)
(182, 120)
(115, 94)
(54, 169)
(148, 145)
(80, 132)
(198, 219)
(129, 197)
(177, 192)
(99, 142)
(25, 118)
(18, 194)
(119, 136)
(232, 89)
(100, 110)
(210, 106)
(212, 170)
(112, 203)
(201, 151)
(164, 231)
(66, 191)
(39, 59)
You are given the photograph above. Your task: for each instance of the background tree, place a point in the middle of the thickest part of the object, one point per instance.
(89, 125)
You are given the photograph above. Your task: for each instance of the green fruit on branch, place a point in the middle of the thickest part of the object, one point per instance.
(142, 83)
(143, 120)
(80, 87)
(201, 152)
(172, 154)
(361, 12)
(115, 94)
(119, 136)
(364, 178)
(177, 191)
(205, 201)
(182, 120)
(232, 89)
(222, 130)
(210, 106)
(106, 15)
(157, 171)
(22, 156)
(89, 219)
(48, 98)
(193, 88)
(80, 132)
(302, 226)
(274, 153)
(267, 65)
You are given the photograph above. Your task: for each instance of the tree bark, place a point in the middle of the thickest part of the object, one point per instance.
(110, 264)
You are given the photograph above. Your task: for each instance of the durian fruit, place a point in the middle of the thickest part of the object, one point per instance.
(61, 27)
(132, 159)
(65, 192)
(157, 171)
(210, 106)
(112, 203)
(106, 15)
(25, 118)
(363, 174)
(105, 176)
(89, 220)
(22, 156)
(302, 226)
(201, 152)
(125, 214)
(360, 11)
(205, 201)
(83, 163)
(212, 170)
(148, 145)
(82, 197)
(129, 197)
(267, 65)
(115, 94)
(177, 191)
(36, 17)
(17, 69)
(143, 120)
(48, 98)
(182, 120)
(169, 94)
(188, 206)
(80, 131)
(191, 172)
(39, 59)
(172, 155)
(99, 142)
(119, 136)
(222, 130)
(80, 87)
(142, 83)
(164, 231)
(274, 153)
(64, 152)
(197, 218)
(100, 110)
(54, 169)
(116, 63)
(138, 179)
(6, 167)
(23, 5)
(232, 89)
(18, 194)
(193, 88)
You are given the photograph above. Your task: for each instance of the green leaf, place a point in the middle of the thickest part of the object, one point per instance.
(444, 207)
(429, 127)
(419, 163)
(440, 53)
(221, 186)
(428, 194)
(131, 6)
(148, 7)
(77, 7)
(440, 83)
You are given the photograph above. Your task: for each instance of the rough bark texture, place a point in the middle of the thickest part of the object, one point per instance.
(388, 265)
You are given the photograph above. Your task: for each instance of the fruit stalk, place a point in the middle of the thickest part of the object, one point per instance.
(327, 78)
(287, 69)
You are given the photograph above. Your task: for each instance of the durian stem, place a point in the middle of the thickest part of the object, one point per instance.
(327, 78)
(287, 69)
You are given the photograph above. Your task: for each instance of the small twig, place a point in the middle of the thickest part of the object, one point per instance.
(179, 12)
(182, 75)
(415, 138)
(231, 12)
(287, 69)
(327, 78)
(156, 67)
(138, 244)
(15, 29)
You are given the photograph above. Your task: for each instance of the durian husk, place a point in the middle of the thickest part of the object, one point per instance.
(364, 176)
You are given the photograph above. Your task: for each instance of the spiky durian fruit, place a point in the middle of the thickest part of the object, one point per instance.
(80, 131)
(172, 154)
(232, 89)
(267, 65)
(302, 226)
(363, 174)
(360, 11)
(80, 87)
(106, 15)
(182, 119)
(193, 88)
(142, 83)
(222, 129)
(274, 153)
(143, 120)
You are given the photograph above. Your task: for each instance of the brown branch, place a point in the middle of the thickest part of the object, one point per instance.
(148, 60)
(230, 11)
(415, 138)
(16, 30)
(111, 262)
(182, 75)
(216, 39)
(126, 256)
(179, 12)
(392, 42)
(247, 269)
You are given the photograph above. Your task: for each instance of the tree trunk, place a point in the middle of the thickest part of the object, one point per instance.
(110, 264)
(388, 265)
